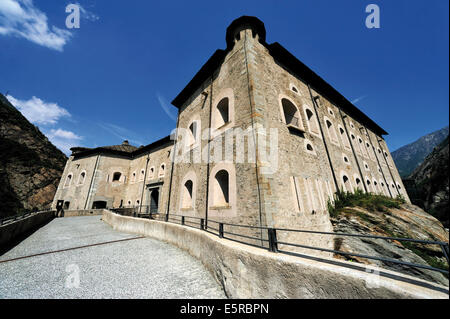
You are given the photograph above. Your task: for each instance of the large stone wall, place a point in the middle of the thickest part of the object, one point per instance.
(14, 230)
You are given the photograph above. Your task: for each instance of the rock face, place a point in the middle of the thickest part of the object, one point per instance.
(408, 157)
(408, 222)
(30, 166)
(428, 185)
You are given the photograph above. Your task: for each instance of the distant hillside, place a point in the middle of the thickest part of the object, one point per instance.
(30, 166)
(428, 185)
(408, 157)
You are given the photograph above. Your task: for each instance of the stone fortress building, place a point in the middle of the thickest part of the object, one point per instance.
(324, 143)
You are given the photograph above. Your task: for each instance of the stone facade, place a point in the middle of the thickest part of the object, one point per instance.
(323, 143)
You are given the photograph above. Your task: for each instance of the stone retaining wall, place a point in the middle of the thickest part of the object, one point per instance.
(248, 272)
(14, 230)
(87, 212)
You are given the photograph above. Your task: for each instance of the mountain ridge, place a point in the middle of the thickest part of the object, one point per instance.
(410, 156)
(30, 165)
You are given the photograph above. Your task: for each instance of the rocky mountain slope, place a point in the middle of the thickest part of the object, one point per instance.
(30, 166)
(406, 221)
(408, 157)
(428, 185)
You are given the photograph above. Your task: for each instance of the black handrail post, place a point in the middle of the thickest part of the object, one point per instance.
(220, 230)
(167, 217)
(444, 248)
(272, 235)
(182, 220)
(202, 224)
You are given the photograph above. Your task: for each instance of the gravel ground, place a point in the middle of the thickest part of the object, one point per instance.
(139, 268)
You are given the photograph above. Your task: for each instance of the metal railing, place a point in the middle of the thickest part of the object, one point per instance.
(10, 219)
(268, 238)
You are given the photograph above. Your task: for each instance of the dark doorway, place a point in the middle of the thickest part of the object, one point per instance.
(99, 205)
(154, 201)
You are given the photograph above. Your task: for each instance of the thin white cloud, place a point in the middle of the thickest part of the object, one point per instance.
(21, 18)
(64, 140)
(38, 111)
(86, 14)
(359, 99)
(165, 106)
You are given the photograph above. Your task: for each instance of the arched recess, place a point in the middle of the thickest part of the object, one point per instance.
(369, 185)
(370, 151)
(362, 147)
(68, 181)
(331, 131)
(188, 192)
(358, 182)
(151, 173)
(290, 113)
(355, 144)
(222, 116)
(346, 183)
(162, 170)
(376, 186)
(193, 132)
(82, 178)
(384, 188)
(344, 138)
(222, 190)
(311, 121)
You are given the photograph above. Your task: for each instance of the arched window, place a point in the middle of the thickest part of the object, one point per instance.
(311, 120)
(369, 185)
(116, 176)
(370, 151)
(68, 180)
(291, 115)
(309, 147)
(375, 186)
(151, 174)
(193, 133)
(221, 188)
(344, 138)
(162, 170)
(223, 109)
(366, 166)
(345, 159)
(346, 184)
(187, 196)
(330, 111)
(133, 177)
(142, 176)
(222, 115)
(384, 189)
(359, 184)
(82, 178)
(331, 132)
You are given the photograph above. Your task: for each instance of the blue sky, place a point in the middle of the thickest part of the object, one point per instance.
(114, 77)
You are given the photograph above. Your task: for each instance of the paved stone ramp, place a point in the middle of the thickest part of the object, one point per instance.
(135, 268)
